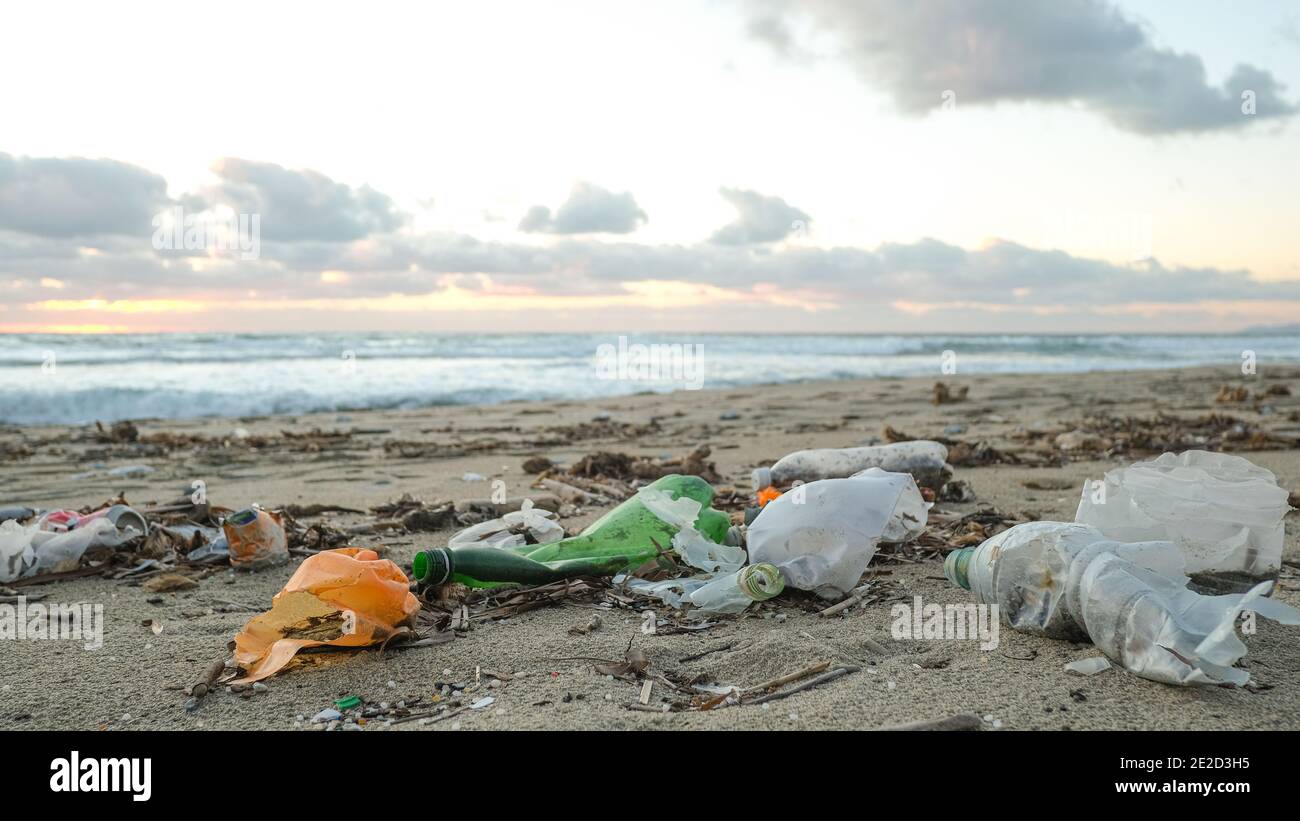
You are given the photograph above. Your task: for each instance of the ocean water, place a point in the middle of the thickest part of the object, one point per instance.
(46, 378)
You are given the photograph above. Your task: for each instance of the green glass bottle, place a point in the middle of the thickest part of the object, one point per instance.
(623, 539)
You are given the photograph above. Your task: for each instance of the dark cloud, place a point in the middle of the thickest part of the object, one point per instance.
(77, 197)
(301, 205)
(589, 209)
(990, 51)
(759, 219)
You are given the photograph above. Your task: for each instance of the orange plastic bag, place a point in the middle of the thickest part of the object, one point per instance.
(347, 597)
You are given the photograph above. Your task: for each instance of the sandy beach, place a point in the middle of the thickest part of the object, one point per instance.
(364, 459)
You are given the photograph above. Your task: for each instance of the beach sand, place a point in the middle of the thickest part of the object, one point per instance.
(132, 681)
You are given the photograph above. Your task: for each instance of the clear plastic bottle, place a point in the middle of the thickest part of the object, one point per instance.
(926, 461)
(1067, 580)
(734, 592)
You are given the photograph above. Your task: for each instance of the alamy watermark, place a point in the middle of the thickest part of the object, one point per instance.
(33, 621)
(657, 362)
(948, 622)
(219, 230)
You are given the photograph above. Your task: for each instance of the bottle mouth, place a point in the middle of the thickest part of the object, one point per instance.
(431, 566)
(955, 566)
(760, 581)
(244, 517)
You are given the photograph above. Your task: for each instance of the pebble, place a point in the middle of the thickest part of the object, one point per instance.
(259, 687)
(446, 671)
(392, 685)
(494, 683)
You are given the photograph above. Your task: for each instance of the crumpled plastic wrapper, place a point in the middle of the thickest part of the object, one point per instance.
(29, 551)
(1224, 512)
(504, 532)
(348, 597)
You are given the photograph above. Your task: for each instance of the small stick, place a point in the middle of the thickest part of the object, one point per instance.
(645, 691)
(787, 678)
(709, 651)
(960, 721)
(844, 605)
(807, 685)
(645, 708)
(205, 684)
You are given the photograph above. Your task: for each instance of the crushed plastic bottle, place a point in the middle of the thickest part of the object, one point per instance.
(256, 539)
(926, 461)
(733, 592)
(823, 534)
(1224, 512)
(729, 592)
(1067, 580)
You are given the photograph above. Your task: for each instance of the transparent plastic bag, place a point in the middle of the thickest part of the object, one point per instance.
(29, 551)
(1224, 512)
(823, 534)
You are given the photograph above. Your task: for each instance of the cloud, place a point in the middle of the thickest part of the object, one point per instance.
(991, 51)
(759, 219)
(589, 209)
(77, 197)
(738, 266)
(301, 205)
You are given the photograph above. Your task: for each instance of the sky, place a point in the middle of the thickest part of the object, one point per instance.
(735, 165)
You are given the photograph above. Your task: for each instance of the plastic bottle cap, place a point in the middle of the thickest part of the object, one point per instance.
(955, 565)
(762, 478)
(760, 581)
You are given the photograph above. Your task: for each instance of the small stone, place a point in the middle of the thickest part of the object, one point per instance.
(259, 687)
(392, 685)
(495, 683)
